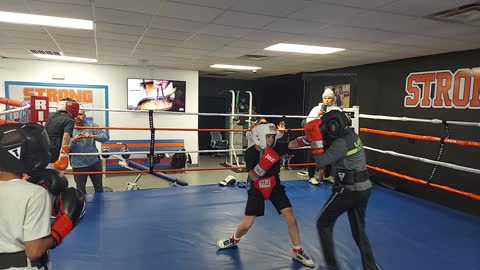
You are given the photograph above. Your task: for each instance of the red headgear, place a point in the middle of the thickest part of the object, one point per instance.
(69, 106)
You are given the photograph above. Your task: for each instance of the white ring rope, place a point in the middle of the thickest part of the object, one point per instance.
(155, 152)
(15, 110)
(443, 164)
(425, 160)
(368, 116)
(408, 119)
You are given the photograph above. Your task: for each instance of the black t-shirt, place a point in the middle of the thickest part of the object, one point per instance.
(57, 124)
(252, 156)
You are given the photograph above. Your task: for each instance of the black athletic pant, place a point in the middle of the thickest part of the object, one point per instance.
(355, 204)
(81, 179)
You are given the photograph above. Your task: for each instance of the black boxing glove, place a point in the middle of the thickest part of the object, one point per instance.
(70, 205)
(52, 180)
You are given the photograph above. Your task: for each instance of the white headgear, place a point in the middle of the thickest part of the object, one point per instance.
(260, 132)
(328, 93)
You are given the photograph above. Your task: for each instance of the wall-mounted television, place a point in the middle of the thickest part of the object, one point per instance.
(153, 94)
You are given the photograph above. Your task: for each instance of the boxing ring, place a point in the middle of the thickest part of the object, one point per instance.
(177, 228)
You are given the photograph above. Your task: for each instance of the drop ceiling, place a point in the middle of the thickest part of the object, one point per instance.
(194, 34)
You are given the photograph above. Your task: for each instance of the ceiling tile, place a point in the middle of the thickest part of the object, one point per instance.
(115, 36)
(14, 6)
(431, 42)
(149, 48)
(381, 20)
(249, 44)
(224, 31)
(189, 12)
(326, 13)
(106, 43)
(242, 19)
(231, 52)
(76, 2)
(269, 7)
(115, 16)
(173, 24)
(161, 41)
(74, 40)
(150, 7)
(161, 33)
(422, 8)
(293, 26)
(193, 34)
(355, 33)
(205, 42)
(54, 31)
(190, 51)
(367, 4)
(10, 27)
(61, 10)
(267, 36)
(221, 4)
(119, 28)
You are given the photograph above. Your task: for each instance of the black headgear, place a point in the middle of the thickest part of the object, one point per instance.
(23, 148)
(334, 125)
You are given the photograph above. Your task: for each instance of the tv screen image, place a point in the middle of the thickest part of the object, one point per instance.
(162, 95)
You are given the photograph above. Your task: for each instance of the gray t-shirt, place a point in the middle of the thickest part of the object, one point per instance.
(24, 214)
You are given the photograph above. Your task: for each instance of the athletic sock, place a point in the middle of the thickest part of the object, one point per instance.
(235, 239)
(297, 249)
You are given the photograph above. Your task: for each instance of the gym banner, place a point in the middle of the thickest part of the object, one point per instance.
(443, 89)
(89, 96)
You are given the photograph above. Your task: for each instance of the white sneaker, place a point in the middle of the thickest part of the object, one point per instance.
(313, 181)
(303, 258)
(226, 243)
(330, 179)
(302, 173)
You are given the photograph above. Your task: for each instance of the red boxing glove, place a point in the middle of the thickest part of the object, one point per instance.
(267, 160)
(314, 134)
(302, 141)
(71, 208)
(265, 186)
(62, 162)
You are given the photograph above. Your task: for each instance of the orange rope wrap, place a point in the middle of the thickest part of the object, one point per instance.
(419, 137)
(421, 181)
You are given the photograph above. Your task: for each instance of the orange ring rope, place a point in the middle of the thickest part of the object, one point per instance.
(420, 137)
(11, 102)
(421, 181)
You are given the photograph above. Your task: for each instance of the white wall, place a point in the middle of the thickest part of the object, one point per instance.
(116, 79)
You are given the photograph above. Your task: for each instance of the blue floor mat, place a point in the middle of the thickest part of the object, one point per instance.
(177, 228)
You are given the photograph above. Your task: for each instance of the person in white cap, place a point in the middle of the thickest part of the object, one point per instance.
(327, 104)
